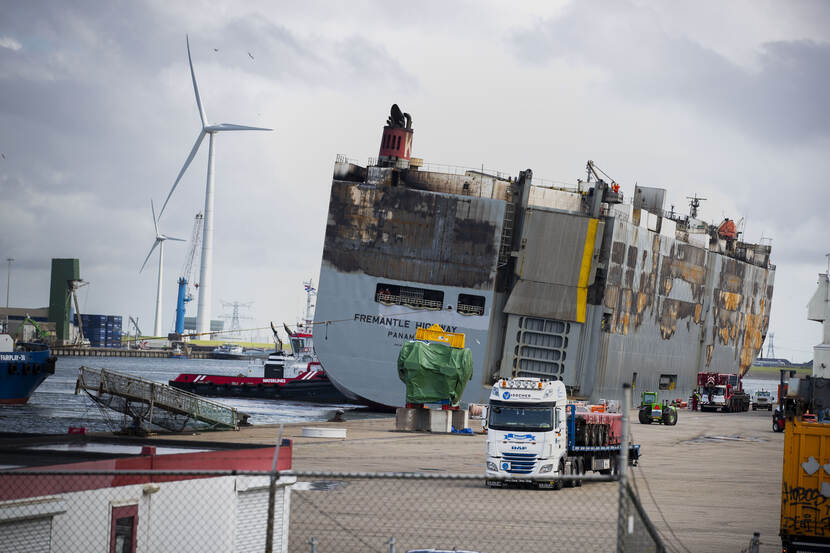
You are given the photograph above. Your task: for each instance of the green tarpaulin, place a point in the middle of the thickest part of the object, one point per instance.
(434, 372)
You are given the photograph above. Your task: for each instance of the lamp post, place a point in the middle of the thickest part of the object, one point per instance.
(8, 279)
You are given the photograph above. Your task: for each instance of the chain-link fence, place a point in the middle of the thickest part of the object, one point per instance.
(186, 511)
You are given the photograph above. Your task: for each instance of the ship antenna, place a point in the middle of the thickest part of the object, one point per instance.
(693, 205)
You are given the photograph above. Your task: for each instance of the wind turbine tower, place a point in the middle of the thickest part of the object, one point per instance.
(160, 238)
(206, 269)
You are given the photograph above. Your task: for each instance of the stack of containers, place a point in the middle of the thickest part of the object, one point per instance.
(102, 331)
(114, 331)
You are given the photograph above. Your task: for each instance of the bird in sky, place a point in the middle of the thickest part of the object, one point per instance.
(216, 49)
(250, 55)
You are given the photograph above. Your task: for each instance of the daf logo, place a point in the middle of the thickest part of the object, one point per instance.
(506, 395)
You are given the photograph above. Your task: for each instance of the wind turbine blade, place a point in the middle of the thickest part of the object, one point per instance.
(155, 224)
(184, 168)
(233, 127)
(202, 113)
(164, 236)
(156, 243)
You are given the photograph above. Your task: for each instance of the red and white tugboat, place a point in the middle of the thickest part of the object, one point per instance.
(296, 376)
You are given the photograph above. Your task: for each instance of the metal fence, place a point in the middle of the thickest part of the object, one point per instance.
(183, 511)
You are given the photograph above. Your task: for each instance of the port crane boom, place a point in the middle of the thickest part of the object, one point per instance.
(185, 295)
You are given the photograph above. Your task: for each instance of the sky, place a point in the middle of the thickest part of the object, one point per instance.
(97, 115)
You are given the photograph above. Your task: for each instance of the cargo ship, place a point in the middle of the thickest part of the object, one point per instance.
(574, 283)
(23, 367)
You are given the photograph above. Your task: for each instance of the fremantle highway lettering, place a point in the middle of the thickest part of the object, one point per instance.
(400, 328)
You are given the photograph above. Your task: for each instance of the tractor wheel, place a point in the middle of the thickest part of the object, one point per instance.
(669, 417)
(645, 416)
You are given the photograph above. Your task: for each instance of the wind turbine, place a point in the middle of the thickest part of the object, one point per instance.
(206, 269)
(160, 238)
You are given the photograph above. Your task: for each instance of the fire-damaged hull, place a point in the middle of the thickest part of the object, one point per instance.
(554, 283)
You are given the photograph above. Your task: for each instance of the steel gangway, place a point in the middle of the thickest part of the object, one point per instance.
(155, 403)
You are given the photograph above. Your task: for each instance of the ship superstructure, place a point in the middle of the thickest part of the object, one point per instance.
(558, 283)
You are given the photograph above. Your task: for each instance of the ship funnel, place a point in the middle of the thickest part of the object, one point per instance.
(396, 143)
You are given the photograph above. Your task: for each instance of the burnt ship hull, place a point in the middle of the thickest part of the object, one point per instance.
(565, 284)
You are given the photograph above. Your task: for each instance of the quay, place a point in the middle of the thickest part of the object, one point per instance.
(74, 351)
(711, 480)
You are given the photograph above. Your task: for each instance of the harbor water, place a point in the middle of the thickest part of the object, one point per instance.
(54, 407)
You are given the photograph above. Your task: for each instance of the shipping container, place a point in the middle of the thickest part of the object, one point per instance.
(805, 487)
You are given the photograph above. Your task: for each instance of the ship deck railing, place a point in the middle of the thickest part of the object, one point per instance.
(99, 382)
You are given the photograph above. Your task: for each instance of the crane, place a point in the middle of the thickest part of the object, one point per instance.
(185, 295)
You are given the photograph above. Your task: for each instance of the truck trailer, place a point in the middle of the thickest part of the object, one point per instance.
(534, 433)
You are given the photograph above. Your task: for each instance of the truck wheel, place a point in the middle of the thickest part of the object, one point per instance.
(580, 470)
(557, 485)
(776, 426)
(754, 407)
(572, 471)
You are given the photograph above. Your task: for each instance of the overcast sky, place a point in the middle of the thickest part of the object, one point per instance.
(724, 99)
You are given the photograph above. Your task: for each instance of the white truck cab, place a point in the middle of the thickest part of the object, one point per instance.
(526, 429)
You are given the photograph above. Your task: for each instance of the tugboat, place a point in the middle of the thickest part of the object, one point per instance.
(296, 376)
(23, 367)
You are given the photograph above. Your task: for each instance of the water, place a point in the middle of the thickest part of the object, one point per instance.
(54, 407)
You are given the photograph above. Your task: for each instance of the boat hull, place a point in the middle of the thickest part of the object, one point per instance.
(318, 389)
(21, 372)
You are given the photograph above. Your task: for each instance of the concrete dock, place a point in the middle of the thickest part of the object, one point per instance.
(709, 482)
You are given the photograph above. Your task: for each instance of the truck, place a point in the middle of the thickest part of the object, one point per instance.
(721, 391)
(534, 433)
(762, 400)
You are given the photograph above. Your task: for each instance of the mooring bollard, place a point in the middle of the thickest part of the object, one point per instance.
(313, 542)
(392, 545)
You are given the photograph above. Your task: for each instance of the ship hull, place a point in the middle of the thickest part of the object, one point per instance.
(21, 372)
(365, 342)
(316, 390)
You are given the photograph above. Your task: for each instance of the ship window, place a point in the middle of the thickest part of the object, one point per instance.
(470, 305)
(668, 381)
(419, 298)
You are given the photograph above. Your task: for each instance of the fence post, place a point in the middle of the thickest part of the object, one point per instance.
(392, 544)
(622, 470)
(272, 490)
(313, 542)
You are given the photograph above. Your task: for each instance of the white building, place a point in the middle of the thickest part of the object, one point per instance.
(120, 513)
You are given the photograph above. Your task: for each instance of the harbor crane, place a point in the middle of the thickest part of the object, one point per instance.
(185, 294)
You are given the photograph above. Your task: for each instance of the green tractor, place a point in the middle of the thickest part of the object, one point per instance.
(652, 410)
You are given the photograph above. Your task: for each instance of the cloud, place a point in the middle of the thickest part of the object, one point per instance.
(778, 100)
(10, 43)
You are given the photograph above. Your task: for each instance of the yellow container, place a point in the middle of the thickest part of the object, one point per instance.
(805, 485)
(436, 334)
